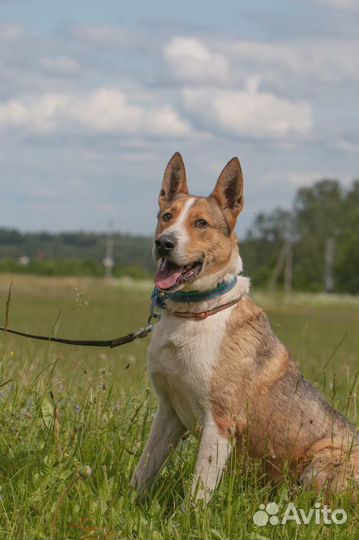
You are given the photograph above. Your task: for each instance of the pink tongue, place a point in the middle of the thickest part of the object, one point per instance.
(167, 276)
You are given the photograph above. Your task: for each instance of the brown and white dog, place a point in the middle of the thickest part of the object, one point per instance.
(225, 370)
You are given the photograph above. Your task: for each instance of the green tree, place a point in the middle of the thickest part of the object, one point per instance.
(318, 214)
(263, 243)
(347, 257)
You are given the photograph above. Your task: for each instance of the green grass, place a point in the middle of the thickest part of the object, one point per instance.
(74, 421)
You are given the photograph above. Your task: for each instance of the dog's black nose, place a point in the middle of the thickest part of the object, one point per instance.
(165, 244)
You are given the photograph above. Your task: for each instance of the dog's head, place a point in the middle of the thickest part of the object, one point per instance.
(195, 242)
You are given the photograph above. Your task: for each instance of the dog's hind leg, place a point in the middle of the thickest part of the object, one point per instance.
(333, 466)
(165, 435)
(213, 454)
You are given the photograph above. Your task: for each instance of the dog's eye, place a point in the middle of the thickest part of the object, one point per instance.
(201, 223)
(167, 216)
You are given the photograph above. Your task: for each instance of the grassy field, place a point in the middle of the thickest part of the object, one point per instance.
(74, 420)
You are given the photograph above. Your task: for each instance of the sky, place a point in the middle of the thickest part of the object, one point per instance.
(95, 97)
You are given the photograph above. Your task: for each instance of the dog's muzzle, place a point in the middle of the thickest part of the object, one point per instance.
(165, 244)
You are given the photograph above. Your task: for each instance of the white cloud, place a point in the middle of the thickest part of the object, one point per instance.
(37, 114)
(249, 112)
(104, 110)
(305, 178)
(192, 61)
(325, 61)
(308, 178)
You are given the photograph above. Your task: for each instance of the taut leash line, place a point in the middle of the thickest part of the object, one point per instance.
(116, 342)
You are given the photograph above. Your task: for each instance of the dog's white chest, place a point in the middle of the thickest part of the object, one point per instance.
(181, 358)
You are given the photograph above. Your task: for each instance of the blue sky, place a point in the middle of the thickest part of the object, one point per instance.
(96, 96)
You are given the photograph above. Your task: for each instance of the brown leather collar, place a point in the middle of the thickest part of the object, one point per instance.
(200, 315)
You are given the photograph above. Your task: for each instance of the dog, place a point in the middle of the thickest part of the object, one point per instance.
(215, 364)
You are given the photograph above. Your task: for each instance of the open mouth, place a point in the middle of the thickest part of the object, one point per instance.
(171, 275)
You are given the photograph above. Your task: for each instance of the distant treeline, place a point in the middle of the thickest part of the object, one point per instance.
(316, 243)
(73, 253)
(313, 247)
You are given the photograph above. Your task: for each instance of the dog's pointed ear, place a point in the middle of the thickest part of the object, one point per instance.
(174, 180)
(229, 191)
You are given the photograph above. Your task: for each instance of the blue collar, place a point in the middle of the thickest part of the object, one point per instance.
(159, 298)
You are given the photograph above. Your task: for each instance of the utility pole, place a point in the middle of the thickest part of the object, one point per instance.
(328, 264)
(284, 264)
(108, 261)
(278, 267)
(288, 269)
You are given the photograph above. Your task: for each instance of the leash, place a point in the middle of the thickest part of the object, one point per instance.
(112, 343)
(158, 301)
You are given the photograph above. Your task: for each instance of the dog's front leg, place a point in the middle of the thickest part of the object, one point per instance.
(165, 435)
(213, 453)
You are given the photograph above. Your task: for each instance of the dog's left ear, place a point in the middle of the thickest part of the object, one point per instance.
(229, 191)
(174, 180)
